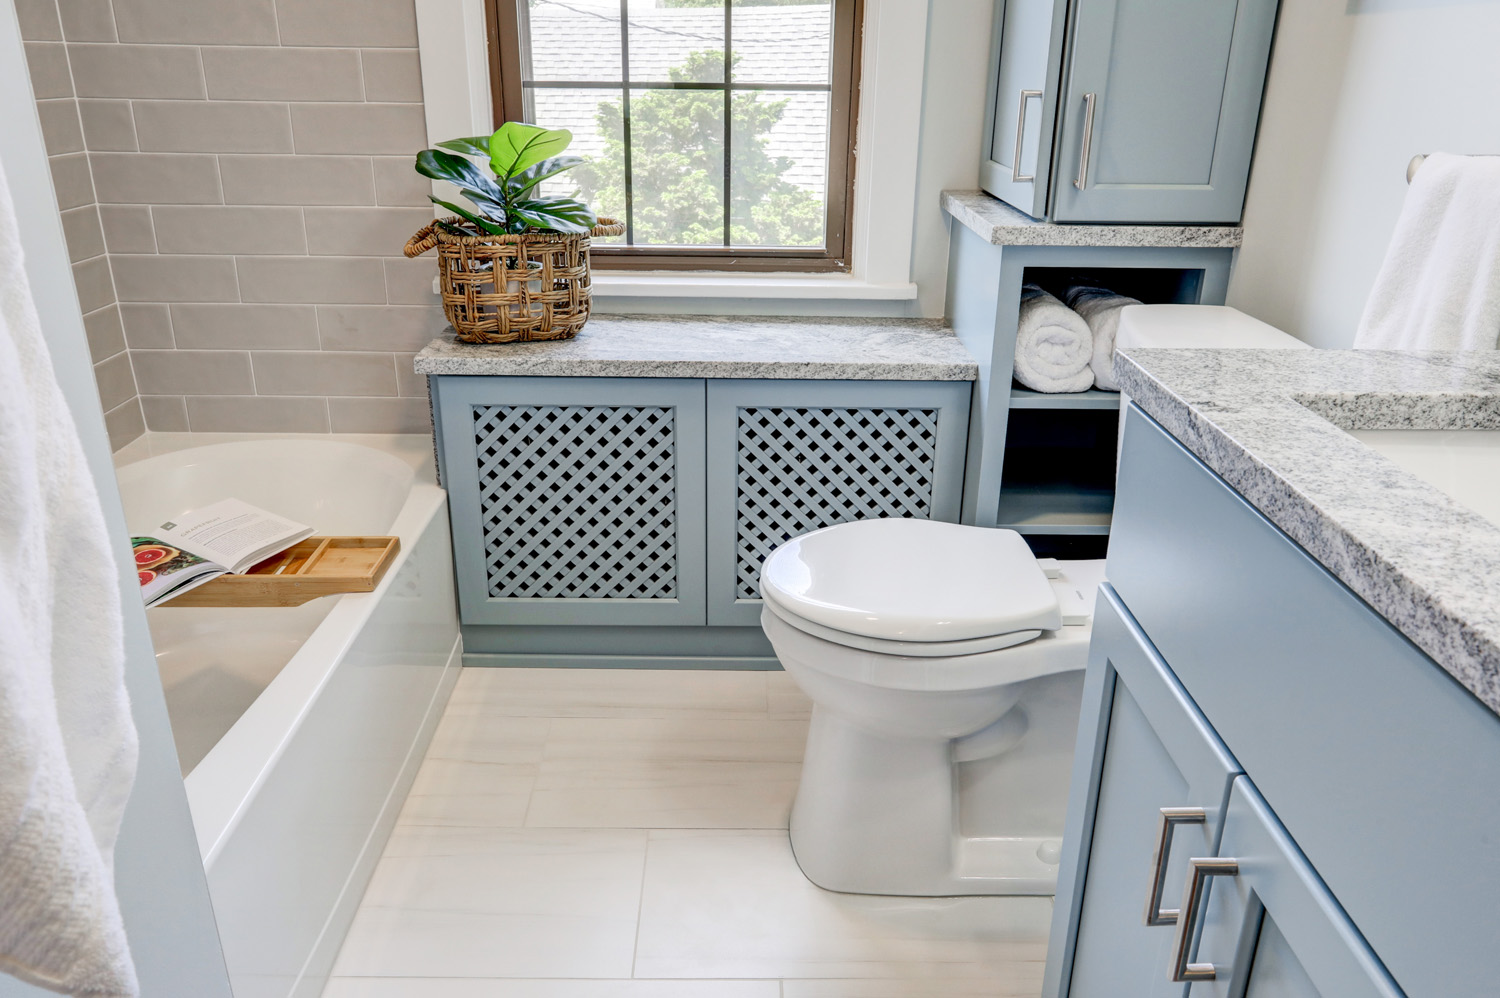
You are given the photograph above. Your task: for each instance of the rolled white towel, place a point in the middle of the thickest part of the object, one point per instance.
(1100, 308)
(1053, 345)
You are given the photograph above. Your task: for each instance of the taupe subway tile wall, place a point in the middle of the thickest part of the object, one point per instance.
(48, 56)
(237, 185)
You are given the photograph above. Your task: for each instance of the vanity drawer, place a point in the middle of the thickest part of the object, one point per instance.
(1379, 764)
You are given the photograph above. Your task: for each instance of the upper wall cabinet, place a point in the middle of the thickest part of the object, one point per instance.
(1127, 110)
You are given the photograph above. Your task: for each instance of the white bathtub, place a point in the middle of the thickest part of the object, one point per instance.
(300, 729)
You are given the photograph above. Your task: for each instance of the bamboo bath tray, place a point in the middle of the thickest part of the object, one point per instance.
(318, 566)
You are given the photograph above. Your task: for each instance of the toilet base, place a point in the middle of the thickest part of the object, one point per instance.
(877, 814)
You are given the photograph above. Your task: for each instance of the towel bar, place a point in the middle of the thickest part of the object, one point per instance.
(1415, 165)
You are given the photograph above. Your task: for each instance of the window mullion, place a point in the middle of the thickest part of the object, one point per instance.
(728, 115)
(625, 119)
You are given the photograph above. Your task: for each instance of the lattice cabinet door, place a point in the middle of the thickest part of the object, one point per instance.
(575, 500)
(788, 457)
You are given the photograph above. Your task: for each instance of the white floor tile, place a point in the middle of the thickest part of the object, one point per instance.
(677, 738)
(609, 693)
(668, 773)
(784, 698)
(1019, 980)
(734, 904)
(649, 793)
(374, 987)
(488, 738)
(462, 902)
(479, 794)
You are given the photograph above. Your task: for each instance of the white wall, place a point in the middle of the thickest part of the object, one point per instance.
(958, 55)
(1354, 92)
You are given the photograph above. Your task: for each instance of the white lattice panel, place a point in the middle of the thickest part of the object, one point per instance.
(578, 501)
(800, 469)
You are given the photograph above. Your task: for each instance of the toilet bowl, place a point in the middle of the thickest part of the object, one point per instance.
(944, 666)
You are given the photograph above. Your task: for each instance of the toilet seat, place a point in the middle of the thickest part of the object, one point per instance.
(1062, 650)
(912, 581)
(912, 649)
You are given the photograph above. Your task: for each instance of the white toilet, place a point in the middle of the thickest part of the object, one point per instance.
(944, 668)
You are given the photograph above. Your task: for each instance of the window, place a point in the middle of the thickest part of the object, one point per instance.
(719, 131)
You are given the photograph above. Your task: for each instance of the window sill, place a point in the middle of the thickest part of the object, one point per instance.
(644, 284)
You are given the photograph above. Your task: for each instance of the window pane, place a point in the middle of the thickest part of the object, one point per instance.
(677, 167)
(779, 150)
(572, 39)
(593, 116)
(677, 41)
(782, 41)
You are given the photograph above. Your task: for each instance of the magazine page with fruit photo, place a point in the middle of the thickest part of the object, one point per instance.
(229, 537)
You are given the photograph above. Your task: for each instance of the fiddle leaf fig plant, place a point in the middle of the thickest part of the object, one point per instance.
(520, 157)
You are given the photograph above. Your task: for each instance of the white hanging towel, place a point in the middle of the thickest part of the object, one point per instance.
(67, 744)
(1053, 345)
(1100, 308)
(1439, 288)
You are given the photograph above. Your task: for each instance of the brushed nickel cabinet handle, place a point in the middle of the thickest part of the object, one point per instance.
(1199, 872)
(1171, 817)
(1015, 161)
(1082, 180)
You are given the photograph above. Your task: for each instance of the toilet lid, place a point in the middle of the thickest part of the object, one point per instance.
(912, 580)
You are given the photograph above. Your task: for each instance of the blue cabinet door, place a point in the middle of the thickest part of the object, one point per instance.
(1142, 746)
(1027, 56)
(789, 457)
(1159, 109)
(575, 500)
(1269, 928)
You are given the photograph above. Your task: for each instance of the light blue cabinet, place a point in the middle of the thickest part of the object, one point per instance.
(646, 505)
(1260, 921)
(1362, 826)
(575, 500)
(1270, 929)
(789, 457)
(1027, 49)
(1150, 749)
(1127, 110)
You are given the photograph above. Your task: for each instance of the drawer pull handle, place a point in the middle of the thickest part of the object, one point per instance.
(1016, 175)
(1086, 147)
(1171, 817)
(1199, 872)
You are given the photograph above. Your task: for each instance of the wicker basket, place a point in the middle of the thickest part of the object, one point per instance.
(512, 289)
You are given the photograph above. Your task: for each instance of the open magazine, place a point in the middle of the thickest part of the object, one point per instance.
(229, 537)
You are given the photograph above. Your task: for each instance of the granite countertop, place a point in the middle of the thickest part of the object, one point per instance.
(998, 223)
(1271, 422)
(695, 346)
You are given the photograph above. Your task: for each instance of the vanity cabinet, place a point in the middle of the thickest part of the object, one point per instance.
(1152, 750)
(1358, 815)
(653, 501)
(1126, 110)
(1265, 923)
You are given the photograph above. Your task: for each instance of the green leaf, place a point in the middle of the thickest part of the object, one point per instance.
(461, 173)
(557, 214)
(493, 228)
(524, 180)
(515, 146)
(477, 145)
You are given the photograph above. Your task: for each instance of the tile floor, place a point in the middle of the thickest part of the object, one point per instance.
(622, 834)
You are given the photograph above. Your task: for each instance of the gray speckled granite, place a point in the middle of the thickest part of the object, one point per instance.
(998, 223)
(1268, 421)
(689, 346)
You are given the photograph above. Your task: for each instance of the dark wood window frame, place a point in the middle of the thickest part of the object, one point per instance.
(508, 89)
